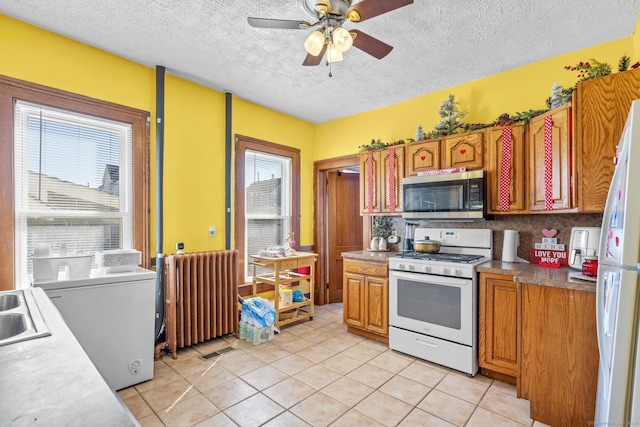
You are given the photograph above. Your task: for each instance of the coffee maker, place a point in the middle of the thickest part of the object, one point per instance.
(584, 243)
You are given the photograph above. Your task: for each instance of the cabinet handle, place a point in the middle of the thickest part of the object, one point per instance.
(428, 344)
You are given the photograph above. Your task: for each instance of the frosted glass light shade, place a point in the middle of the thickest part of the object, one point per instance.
(333, 55)
(314, 43)
(342, 40)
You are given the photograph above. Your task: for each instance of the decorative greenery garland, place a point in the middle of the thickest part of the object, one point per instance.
(452, 118)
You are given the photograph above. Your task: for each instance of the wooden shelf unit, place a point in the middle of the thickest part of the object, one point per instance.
(283, 274)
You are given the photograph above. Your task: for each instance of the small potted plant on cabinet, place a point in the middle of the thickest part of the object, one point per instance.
(381, 231)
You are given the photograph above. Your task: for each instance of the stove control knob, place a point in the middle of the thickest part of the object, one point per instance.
(427, 269)
(411, 267)
(446, 271)
(400, 266)
(458, 272)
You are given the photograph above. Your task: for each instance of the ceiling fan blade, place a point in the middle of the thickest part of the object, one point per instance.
(367, 9)
(315, 60)
(370, 45)
(278, 23)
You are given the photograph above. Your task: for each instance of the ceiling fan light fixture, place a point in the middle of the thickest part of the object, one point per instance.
(342, 40)
(314, 43)
(333, 54)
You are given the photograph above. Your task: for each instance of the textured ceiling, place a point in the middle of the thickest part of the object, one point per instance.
(437, 44)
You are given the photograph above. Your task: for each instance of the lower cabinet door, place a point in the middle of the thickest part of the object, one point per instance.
(498, 324)
(353, 308)
(376, 305)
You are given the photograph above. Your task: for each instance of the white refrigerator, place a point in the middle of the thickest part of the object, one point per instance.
(617, 313)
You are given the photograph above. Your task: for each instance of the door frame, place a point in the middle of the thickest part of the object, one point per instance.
(321, 168)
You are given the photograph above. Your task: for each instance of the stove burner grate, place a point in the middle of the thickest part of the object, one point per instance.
(460, 258)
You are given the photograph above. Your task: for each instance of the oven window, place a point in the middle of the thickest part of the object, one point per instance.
(430, 303)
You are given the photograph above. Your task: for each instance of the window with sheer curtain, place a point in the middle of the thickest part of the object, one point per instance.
(73, 183)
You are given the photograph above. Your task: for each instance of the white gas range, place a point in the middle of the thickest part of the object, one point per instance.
(433, 298)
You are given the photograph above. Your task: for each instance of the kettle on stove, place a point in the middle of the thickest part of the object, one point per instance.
(584, 242)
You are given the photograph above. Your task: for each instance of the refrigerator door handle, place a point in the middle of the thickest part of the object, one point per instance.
(600, 318)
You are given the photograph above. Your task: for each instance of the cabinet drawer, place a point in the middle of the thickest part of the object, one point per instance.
(366, 268)
(288, 264)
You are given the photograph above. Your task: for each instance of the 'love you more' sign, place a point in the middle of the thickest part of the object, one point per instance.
(549, 253)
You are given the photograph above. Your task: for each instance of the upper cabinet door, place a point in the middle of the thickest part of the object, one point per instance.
(369, 178)
(561, 174)
(515, 177)
(422, 156)
(602, 106)
(464, 150)
(391, 178)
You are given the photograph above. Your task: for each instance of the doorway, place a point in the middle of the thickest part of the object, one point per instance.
(338, 224)
(344, 225)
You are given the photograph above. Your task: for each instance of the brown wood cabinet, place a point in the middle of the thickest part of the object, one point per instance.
(366, 298)
(453, 151)
(517, 170)
(602, 106)
(422, 156)
(559, 365)
(464, 150)
(562, 177)
(382, 197)
(498, 337)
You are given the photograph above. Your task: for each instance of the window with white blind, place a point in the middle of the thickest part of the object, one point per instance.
(73, 183)
(267, 198)
(267, 202)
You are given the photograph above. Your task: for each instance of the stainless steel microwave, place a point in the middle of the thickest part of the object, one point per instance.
(451, 196)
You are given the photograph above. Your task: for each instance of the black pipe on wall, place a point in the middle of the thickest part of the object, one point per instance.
(227, 174)
(159, 200)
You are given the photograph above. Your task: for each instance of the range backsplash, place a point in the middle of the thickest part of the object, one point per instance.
(528, 226)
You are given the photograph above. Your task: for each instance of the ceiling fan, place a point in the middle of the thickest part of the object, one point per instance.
(331, 37)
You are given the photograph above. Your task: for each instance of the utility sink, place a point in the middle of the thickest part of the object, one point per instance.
(20, 318)
(9, 301)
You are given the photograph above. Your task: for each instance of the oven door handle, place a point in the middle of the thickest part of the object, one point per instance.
(432, 279)
(428, 344)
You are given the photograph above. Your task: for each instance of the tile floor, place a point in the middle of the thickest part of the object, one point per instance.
(316, 374)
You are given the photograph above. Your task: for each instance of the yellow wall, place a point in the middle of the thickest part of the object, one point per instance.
(194, 119)
(194, 158)
(512, 91)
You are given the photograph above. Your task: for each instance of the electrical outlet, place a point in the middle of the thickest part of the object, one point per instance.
(212, 231)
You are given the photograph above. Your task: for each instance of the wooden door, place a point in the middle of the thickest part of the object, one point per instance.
(498, 324)
(517, 171)
(561, 160)
(376, 297)
(365, 182)
(464, 150)
(344, 226)
(353, 307)
(602, 106)
(422, 156)
(559, 366)
(384, 174)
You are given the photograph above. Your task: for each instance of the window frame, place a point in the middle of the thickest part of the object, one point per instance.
(11, 89)
(242, 144)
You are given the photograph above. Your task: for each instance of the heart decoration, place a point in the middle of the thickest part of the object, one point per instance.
(549, 233)
(464, 150)
(423, 157)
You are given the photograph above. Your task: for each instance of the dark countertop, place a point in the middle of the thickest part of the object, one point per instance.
(51, 381)
(536, 275)
(366, 255)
